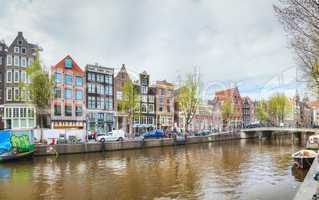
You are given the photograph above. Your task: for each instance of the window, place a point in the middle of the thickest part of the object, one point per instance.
(15, 112)
(68, 63)
(91, 77)
(22, 95)
(161, 108)
(58, 77)
(161, 100)
(78, 111)
(91, 88)
(151, 99)
(68, 94)
(68, 110)
(98, 103)
(19, 42)
(9, 60)
(9, 94)
(110, 107)
(150, 120)
(0, 60)
(16, 94)
(102, 103)
(23, 62)
(91, 102)
(57, 93)
(57, 110)
(0, 77)
(143, 107)
(100, 78)
(9, 76)
(68, 79)
(108, 79)
(30, 61)
(162, 91)
(23, 112)
(144, 98)
(78, 81)
(78, 95)
(144, 90)
(23, 76)
(119, 95)
(150, 108)
(16, 76)
(23, 50)
(16, 61)
(16, 50)
(108, 90)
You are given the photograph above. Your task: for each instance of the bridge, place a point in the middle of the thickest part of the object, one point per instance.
(301, 134)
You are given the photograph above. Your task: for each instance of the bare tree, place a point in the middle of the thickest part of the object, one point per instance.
(301, 21)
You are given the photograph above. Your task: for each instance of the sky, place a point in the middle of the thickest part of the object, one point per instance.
(229, 42)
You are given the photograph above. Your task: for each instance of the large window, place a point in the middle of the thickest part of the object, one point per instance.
(68, 110)
(91, 76)
(100, 78)
(78, 111)
(108, 90)
(68, 94)
(79, 95)
(108, 79)
(9, 76)
(57, 93)
(91, 102)
(16, 61)
(68, 79)
(150, 108)
(58, 77)
(57, 110)
(23, 62)
(9, 60)
(79, 81)
(9, 94)
(16, 76)
(91, 88)
(143, 107)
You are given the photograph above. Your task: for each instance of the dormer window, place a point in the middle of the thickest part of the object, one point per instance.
(68, 63)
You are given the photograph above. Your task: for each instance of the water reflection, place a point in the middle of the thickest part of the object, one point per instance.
(229, 170)
(298, 173)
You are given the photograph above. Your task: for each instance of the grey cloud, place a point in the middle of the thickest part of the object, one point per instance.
(227, 39)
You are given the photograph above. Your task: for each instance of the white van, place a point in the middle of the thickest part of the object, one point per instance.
(115, 135)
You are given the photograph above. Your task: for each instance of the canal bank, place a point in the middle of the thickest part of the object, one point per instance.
(43, 150)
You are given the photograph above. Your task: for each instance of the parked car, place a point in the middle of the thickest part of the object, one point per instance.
(156, 133)
(203, 133)
(115, 135)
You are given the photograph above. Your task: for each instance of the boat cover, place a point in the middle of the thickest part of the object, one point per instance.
(5, 141)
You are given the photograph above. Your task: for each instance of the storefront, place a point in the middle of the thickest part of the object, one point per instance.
(100, 121)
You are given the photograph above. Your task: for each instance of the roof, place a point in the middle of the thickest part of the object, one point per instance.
(225, 94)
(75, 66)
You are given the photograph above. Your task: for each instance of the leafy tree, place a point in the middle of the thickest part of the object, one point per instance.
(189, 98)
(40, 89)
(130, 102)
(301, 21)
(227, 111)
(279, 107)
(261, 112)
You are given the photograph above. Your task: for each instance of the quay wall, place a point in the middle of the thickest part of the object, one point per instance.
(42, 150)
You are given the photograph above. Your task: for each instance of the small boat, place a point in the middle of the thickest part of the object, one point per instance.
(313, 142)
(15, 156)
(304, 158)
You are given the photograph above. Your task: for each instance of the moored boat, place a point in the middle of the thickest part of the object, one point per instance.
(304, 158)
(313, 142)
(15, 145)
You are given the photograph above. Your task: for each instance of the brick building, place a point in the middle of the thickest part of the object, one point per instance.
(165, 105)
(68, 103)
(234, 97)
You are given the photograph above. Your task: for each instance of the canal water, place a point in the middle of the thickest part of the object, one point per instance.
(243, 169)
